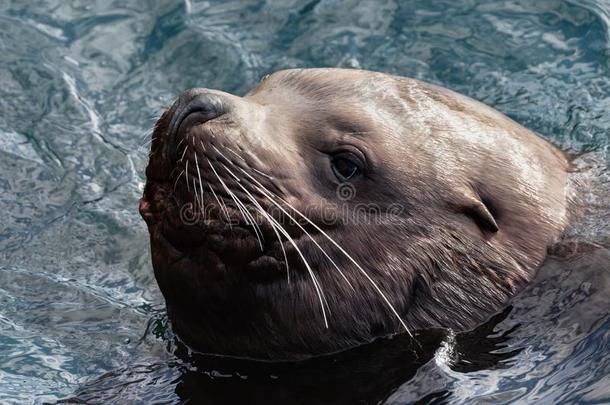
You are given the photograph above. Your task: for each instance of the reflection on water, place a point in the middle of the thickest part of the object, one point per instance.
(81, 85)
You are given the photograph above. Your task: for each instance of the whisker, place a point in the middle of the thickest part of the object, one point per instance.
(222, 206)
(317, 286)
(179, 143)
(145, 134)
(300, 227)
(366, 275)
(233, 152)
(240, 207)
(309, 236)
(220, 153)
(277, 226)
(146, 142)
(289, 216)
(173, 170)
(187, 176)
(273, 223)
(262, 174)
(196, 196)
(200, 182)
(257, 231)
(178, 178)
(183, 153)
(229, 160)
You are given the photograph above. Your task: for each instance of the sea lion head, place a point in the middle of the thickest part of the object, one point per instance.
(328, 207)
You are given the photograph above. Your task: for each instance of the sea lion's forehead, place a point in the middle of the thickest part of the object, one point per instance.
(328, 85)
(353, 101)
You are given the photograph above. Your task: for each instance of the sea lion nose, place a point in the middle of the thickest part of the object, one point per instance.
(203, 103)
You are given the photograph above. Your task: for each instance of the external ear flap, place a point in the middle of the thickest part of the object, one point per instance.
(481, 213)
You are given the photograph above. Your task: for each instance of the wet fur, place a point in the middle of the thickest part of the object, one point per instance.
(439, 260)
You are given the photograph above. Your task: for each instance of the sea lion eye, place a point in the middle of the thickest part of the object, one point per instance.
(346, 166)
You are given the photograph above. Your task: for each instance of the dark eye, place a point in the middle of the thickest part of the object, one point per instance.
(346, 167)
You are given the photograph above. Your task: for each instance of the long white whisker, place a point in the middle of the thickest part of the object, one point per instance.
(229, 160)
(273, 223)
(146, 143)
(233, 152)
(196, 196)
(302, 229)
(316, 284)
(179, 143)
(200, 182)
(370, 280)
(240, 206)
(187, 176)
(317, 287)
(184, 152)
(145, 135)
(223, 208)
(277, 226)
(262, 174)
(257, 231)
(178, 178)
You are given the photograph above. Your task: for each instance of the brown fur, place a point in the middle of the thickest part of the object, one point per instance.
(455, 167)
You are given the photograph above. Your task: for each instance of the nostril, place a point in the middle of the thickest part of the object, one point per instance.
(206, 105)
(209, 105)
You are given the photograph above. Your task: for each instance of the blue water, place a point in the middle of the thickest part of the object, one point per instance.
(81, 84)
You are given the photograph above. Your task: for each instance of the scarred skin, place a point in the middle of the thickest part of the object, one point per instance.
(462, 204)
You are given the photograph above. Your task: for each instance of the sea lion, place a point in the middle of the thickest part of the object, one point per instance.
(328, 207)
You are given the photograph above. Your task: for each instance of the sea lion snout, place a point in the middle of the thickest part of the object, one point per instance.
(194, 106)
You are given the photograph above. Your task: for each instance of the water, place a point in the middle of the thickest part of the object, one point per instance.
(81, 84)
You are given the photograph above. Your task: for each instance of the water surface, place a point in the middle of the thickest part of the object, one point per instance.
(81, 84)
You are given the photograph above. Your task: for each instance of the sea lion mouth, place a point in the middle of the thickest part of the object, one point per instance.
(213, 232)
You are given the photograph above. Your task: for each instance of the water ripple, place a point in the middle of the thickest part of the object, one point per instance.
(82, 85)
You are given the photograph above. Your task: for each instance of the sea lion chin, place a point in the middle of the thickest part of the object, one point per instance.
(328, 207)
